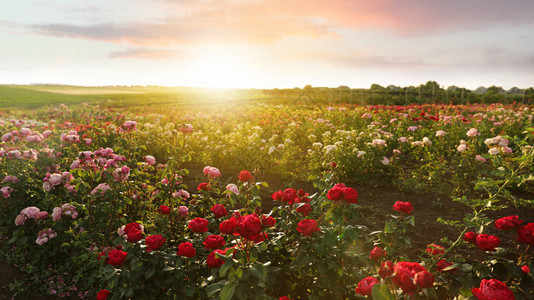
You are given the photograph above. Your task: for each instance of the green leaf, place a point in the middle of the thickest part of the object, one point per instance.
(225, 267)
(227, 292)
(212, 289)
(382, 292)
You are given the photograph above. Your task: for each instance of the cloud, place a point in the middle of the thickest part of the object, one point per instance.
(142, 53)
(267, 21)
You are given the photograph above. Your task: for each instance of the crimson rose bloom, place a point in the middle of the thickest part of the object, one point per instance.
(289, 196)
(350, 195)
(164, 210)
(405, 207)
(525, 269)
(204, 186)
(405, 273)
(227, 226)
(134, 235)
(198, 225)
(268, 221)
(386, 269)
(102, 295)
(335, 194)
(250, 226)
(277, 195)
(116, 257)
(154, 242)
(470, 236)
(219, 210)
(525, 234)
(434, 249)
(186, 249)
(487, 242)
(492, 289)
(245, 176)
(131, 226)
(376, 253)
(284, 298)
(214, 241)
(213, 261)
(305, 209)
(424, 279)
(307, 227)
(509, 222)
(365, 286)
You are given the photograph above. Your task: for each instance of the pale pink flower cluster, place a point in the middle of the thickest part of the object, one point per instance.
(385, 161)
(413, 128)
(440, 133)
(6, 191)
(232, 188)
(12, 179)
(177, 179)
(129, 126)
(462, 147)
(103, 158)
(402, 139)
(150, 160)
(366, 116)
(101, 189)
(212, 172)
(70, 137)
(498, 144)
(64, 210)
(45, 235)
(472, 132)
(186, 128)
(121, 173)
(52, 180)
(183, 210)
(181, 194)
(30, 212)
(480, 158)
(378, 142)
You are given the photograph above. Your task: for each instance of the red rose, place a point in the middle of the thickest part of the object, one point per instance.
(376, 253)
(350, 195)
(470, 236)
(289, 196)
(227, 226)
(164, 210)
(404, 275)
(403, 207)
(134, 236)
(198, 225)
(277, 195)
(302, 193)
(525, 269)
(365, 286)
(434, 249)
(245, 176)
(487, 242)
(219, 210)
(204, 186)
(509, 222)
(386, 269)
(307, 227)
(333, 164)
(186, 249)
(250, 226)
(424, 279)
(116, 257)
(154, 242)
(492, 289)
(305, 209)
(213, 261)
(335, 194)
(525, 234)
(102, 295)
(339, 186)
(284, 298)
(268, 221)
(214, 241)
(132, 226)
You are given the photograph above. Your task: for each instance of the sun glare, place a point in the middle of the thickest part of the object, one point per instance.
(222, 68)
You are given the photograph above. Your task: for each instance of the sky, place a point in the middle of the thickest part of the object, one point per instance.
(268, 43)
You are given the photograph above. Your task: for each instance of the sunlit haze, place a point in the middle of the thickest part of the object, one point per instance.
(268, 44)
